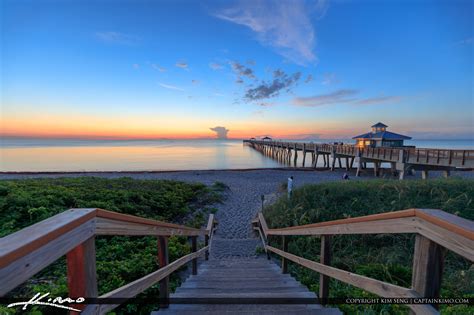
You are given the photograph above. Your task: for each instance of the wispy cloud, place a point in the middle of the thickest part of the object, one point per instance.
(136, 66)
(339, 96)
(158, 67)
(344, 96)
(116, 38)
(170, 87)
(378, 100)
(182, 65)
(284, 26)
(195, 82)
(215, 66)
(330, 78)
(218, 94)
(309, 78)
(467, 41)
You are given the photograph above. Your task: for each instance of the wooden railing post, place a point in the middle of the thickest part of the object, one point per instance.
(81, 272)
(206, 243)
(163, 260)
(284, 262)
(325, 259)
(194, 249)
(428, 262)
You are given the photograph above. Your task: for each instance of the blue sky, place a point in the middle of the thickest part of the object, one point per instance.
(287, 68)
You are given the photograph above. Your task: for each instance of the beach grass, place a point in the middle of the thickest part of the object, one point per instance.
(120, 260)
(383, 257)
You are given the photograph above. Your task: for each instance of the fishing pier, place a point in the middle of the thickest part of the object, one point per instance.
(402, 159)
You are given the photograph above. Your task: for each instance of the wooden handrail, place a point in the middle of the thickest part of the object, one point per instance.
(28, 251)
(434, 228)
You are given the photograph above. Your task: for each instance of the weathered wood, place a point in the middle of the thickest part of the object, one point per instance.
(263, 224)
(163, 261)
(284, 262)
(133, 288)
(325, 259)
(24, 267)
(23, 242)
(368, 284)
(402, 225)
(194, 249)
(428, 262)
(81, 272)
(107, 226)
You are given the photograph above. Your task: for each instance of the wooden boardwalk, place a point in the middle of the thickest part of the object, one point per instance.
(401, 160)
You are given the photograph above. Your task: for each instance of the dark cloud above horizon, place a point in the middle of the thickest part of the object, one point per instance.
(221, 132)
(242, 71)
(281, 82)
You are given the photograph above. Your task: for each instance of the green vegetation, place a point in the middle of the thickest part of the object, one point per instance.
(383, 257)
(120, 260)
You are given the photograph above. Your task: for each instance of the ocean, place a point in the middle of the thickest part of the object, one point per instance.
(59, 155)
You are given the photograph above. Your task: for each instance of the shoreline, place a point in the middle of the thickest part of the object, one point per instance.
(297, 169)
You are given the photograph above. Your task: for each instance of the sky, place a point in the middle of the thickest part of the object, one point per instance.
(197, 69)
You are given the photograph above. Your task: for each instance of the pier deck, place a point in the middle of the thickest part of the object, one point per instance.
(401, 159)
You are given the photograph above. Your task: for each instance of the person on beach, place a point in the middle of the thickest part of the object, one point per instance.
(290, 186)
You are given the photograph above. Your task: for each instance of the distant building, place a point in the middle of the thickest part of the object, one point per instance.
(380, 137)
(267, 138)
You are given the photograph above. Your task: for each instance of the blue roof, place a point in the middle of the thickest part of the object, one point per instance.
(385, 135)
(379, 125)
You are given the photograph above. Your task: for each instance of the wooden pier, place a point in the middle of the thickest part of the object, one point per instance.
(402, 160)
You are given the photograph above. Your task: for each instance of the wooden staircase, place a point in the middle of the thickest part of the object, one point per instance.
(243, 286)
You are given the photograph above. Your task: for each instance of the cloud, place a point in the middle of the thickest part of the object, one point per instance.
(309, 78)
(330, 78)
(281, 81)
(266, 104)
(378, 100)
(136, 66)
(467, 41)
(221, 132)
(218, 94)
(285, 26)
(170, 87)
(182, 65)
(239, 81)
(339, 96)
(215, 66)
(116, 38)
(251, 62)
(342, 97)
(157, 67)
(242, 71)
(195, 81)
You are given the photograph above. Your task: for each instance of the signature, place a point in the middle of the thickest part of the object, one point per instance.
(56, 302)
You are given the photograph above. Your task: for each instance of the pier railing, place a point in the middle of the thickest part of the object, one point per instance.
(72, 233)
(435, 231)
(410, 155)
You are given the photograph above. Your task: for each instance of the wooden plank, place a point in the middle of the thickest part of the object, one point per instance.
(210, 223)
(163, 260)
(107, 226)
(428, 263)
(81, 272)
(368, 284)
(448, 221)
(134, 219)
(133, 288)
(403, 225)
(194, 249)
(23, 242)
(263, 224)
(446, 238)
(28, 265)
(325, 259)
(367, 218)
(284, 262)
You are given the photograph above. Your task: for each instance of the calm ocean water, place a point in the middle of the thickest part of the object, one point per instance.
(37, 155)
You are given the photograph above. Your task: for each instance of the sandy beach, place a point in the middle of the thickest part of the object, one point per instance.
(234, 237)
